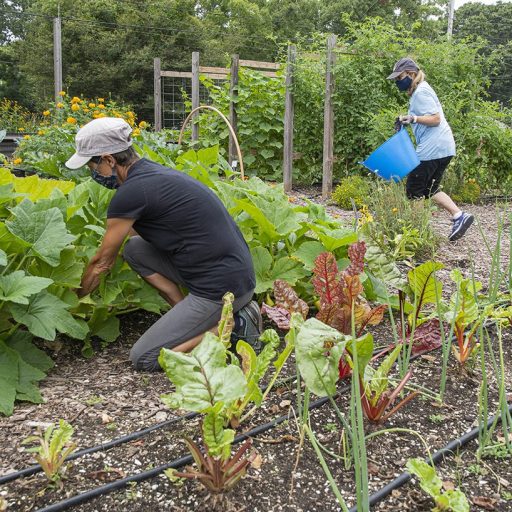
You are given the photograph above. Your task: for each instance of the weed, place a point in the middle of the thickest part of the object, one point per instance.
(93, 400)
(401, 227)
(353, 188)
(437, 418)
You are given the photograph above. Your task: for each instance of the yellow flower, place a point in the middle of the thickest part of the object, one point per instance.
(102, 115)
(92, 105)
(21, 129)
(46, 113)
(85, 109)
(71, 120)
(75, 99)
(101, 105)
(130, 114)
(17, 161)
(26, 137)
(394, 210)
(101, 100)
(136, 132)
(143, 124)
(75, 107)
(62, 93)
(60, 105)
(41, 132)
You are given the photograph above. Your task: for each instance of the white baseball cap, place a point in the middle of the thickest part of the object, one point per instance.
(106, 135)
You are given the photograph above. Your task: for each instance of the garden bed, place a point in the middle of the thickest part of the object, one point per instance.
(104, 398)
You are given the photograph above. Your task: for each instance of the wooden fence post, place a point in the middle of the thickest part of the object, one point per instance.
(57, 58)
(157, 70)
(195, 94)
(233, 94)
(328, 119)
(288, 120)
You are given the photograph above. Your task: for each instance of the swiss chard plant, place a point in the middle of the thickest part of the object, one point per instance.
(207, 383)
(465, 315)
(319, 349)
(52, 448)
(338, 293)
(452, 500)
(420, 325)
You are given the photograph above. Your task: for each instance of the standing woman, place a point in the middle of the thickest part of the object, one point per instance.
(435, 145)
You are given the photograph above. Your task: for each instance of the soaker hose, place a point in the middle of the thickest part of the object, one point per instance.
(176, 464)
(36, 468)
(437, 457)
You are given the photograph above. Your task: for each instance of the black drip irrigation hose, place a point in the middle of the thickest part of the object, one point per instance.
(437, 457)
(36, 468)
(175, 464)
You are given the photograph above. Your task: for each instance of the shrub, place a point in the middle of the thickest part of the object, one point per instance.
(400, 227)
(354, 188)
(465, 191)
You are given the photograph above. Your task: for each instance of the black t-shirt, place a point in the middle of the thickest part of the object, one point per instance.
(179, 215)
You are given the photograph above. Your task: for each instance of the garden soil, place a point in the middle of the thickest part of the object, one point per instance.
(104, 398)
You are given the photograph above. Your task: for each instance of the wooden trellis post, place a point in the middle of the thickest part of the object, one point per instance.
(288, 121)
(328, 119)
(195, 94)
(233, 93)
(157, 73)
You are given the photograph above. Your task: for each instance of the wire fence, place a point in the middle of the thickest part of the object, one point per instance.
(176, 92)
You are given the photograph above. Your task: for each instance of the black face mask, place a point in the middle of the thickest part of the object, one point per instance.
(105, 181)
(404, 84)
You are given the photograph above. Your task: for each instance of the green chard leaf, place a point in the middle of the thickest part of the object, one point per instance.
(318, 349)
(202, 377)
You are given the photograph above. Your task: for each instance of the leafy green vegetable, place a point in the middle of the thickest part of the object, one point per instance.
(451, 500)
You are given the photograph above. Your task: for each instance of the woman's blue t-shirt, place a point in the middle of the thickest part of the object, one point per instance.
(431, 141)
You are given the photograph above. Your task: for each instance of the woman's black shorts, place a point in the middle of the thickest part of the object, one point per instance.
(424, 180)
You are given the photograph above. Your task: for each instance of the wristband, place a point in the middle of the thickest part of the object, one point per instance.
(414, 119)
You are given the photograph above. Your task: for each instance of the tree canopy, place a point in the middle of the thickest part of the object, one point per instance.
(108, 46)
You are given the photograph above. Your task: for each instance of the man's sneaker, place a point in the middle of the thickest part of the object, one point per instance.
(248, 326)
(460, 226)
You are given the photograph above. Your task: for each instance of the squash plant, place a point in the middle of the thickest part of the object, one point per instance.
(48, 230)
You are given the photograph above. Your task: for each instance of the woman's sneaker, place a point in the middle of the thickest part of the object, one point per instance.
(248, 326)
(460, 226)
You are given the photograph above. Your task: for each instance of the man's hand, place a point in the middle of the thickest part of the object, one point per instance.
(407, 119)
(104, 259)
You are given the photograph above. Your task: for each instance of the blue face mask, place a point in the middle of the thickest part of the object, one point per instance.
(105, 181)
(404, 84)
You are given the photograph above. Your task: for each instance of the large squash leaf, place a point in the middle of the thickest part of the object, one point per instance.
(45, 232)
(47, 314)
(18, 286)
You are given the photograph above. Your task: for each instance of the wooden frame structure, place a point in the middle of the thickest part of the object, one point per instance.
(268, 69)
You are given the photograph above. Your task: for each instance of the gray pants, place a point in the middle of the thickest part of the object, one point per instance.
(189, 318)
